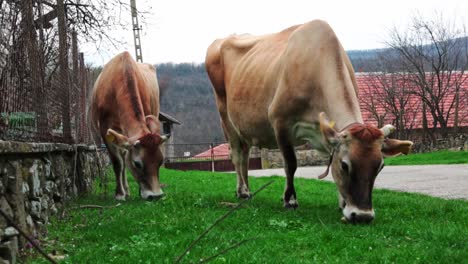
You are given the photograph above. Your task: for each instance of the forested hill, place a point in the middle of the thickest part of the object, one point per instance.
(187, 95)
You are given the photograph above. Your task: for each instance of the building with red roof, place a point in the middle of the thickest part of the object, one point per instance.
(219, 152)
(383, 97)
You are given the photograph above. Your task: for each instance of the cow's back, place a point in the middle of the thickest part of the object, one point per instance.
(125, 90)
(293, 74)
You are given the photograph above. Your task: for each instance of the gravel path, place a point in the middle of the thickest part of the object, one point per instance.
(445, 181)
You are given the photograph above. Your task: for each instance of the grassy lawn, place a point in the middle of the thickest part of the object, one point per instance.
(408, 228)
(437, 157)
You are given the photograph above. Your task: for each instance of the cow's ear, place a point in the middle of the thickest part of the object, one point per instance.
(153, 124)
(328, 132)
(114, 137)
(395, 147)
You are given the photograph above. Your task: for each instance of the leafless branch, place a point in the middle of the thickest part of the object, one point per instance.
(219, 220)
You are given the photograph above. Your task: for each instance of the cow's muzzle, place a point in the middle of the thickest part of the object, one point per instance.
(353, 214)
(150, 195)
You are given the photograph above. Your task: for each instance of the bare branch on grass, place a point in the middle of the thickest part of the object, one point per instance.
(219, 220)
(22, 233)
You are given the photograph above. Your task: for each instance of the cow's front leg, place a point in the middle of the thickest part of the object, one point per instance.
(119, 169)
(125, 183)
(290, 166)
(240, 158)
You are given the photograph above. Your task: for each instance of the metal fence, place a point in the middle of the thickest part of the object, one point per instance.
(44, 82)
(205, 156)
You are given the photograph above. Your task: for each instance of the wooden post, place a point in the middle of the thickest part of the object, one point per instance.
(35, 64)
(212, 157)
(457, 103)
(64, 71)
(75, 86)
(83, 132)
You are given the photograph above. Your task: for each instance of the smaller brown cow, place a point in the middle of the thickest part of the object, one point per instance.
(124, 109)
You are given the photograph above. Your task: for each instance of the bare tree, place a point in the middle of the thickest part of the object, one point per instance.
(435, 54)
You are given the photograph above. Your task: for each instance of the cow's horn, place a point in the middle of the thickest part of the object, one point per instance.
(387, 130)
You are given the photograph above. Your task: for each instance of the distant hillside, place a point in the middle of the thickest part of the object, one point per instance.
(187, 95)
(365, 60)
(369, 60)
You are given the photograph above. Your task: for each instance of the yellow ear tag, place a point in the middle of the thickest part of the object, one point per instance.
(332, 124)
(110, 138)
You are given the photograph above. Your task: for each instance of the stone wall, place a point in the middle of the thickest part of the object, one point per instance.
(453, 142)
(272, 158)
(36, 180)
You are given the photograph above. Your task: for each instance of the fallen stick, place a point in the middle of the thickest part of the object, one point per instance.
(93, 206)
(220, 220)
(22, 233)
(226, 250)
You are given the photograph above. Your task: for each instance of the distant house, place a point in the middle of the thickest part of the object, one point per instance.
(219, 152)
(378, 107)
(168, 122)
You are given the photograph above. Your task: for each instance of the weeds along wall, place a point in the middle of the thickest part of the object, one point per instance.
(36, 180)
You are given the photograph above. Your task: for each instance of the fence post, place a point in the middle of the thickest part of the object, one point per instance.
(64, 71)
(212, 157)
(75, 85)
(83, 134)
(36, 68)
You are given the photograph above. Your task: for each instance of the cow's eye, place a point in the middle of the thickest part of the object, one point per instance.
(344, 166)
(138, 164)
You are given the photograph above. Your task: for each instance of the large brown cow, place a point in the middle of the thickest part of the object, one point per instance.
(124, 109)
(273, 90)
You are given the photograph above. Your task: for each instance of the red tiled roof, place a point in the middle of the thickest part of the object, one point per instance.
(220, 151)
(372, 90)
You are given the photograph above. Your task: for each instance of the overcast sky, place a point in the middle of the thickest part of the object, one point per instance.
(181, 30)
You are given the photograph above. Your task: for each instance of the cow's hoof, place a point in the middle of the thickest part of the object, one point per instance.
(291, 204)
(120, 197)
(155, 197)
(244, 195)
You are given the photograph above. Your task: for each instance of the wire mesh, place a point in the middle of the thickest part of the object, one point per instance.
(41, 99)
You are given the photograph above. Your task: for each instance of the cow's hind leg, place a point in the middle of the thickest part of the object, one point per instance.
(239, 153)
(290, 165)
(240, 159)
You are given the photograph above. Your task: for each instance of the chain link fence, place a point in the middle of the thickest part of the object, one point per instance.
(44, 83)
(205, 156)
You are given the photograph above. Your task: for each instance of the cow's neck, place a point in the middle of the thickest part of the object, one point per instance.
(344, 118)
(343, 104)
(132, 127)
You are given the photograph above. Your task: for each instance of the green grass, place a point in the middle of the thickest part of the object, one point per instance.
(437, 157)
(408, 228)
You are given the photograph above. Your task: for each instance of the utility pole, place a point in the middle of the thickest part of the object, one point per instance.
(136, 32)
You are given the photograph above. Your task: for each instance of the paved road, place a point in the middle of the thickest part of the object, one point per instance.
(445, 181)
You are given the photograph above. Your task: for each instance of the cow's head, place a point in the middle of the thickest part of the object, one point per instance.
(358, 153)
(143, 157)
